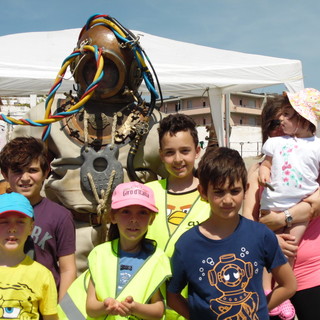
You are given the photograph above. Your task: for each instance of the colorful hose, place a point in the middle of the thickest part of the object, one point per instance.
(124, 36)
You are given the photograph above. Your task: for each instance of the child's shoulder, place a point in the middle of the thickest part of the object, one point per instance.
(34, 266)
(254, 227)
(188, 237)
(160, 184)
(47, 204)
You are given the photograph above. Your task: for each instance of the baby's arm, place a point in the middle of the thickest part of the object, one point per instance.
(96, 308)
(178, 303)
(151, 311)
(285, 288)
(265, 170)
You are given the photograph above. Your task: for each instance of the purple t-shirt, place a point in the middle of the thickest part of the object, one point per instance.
(53, 235)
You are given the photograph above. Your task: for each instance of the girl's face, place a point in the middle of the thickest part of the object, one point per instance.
(133, 222)
(289, 121)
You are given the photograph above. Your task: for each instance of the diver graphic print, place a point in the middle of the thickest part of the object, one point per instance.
(230, 276)
(224, 277)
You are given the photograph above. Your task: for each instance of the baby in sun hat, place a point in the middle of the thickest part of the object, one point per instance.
(290, 168)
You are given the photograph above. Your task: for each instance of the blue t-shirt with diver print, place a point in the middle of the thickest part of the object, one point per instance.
(224, 276)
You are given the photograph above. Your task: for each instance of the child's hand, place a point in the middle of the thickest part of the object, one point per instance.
(114, 307)
(128, 305)
(263, 179)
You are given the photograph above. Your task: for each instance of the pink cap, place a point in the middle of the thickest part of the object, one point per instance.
(133, 193)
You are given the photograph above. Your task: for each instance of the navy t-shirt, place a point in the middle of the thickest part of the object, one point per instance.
(224, 277)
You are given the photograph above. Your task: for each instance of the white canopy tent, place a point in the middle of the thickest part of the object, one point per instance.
(29, 63)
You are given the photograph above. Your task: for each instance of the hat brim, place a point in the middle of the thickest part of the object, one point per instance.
(133, 202)
(299, 109)
(9, 212)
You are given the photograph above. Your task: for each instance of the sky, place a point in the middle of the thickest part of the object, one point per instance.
(279, 28)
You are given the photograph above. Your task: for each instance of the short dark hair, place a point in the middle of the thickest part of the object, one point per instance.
(177, 122)
(19, 153)
(219, 165)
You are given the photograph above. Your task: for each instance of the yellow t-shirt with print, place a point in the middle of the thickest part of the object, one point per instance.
(26, 290)
(178, 207)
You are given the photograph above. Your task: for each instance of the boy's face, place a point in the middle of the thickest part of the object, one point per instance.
(14, 230)
(178, 153)
(28, 181)
(225, 201)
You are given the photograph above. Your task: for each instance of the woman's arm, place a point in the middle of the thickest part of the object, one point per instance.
(178, 303)
(285, 288)
(275, 220)
(314, 201)
(251, 203)
(151, 311)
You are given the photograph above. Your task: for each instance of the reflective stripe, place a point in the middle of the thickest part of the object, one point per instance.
(70, 309)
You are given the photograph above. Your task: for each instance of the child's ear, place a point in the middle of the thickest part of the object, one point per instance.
(4, 175)
(161, 154)
(112, 218)
(31, 227)
(203, 194)
(153, 216)
(198, 151)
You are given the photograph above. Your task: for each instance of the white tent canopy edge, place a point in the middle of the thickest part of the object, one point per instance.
(29, 63)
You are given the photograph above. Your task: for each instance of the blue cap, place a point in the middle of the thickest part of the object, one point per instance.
(15, 202)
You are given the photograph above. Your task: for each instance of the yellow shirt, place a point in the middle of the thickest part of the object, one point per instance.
(179, 205)
(27, 289)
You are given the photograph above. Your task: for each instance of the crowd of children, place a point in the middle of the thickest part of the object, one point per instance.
(177, 248)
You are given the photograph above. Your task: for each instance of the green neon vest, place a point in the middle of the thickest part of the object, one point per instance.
(159, 230)
(153, 274)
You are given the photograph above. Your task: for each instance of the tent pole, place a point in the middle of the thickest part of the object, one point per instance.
(227, 117)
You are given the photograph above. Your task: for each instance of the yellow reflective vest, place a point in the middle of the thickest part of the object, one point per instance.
(103, 268)
(159, 230)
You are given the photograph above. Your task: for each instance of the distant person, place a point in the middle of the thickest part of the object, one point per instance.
(24, 164)
(222, 259)
(128, 273)
(27, 288)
